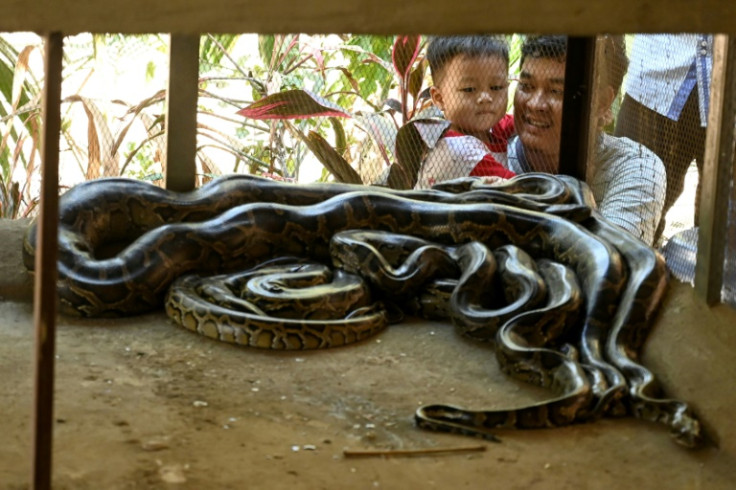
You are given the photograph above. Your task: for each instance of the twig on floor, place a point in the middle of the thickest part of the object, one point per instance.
(357, 453)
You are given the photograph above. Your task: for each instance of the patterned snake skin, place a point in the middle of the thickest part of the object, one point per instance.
(567, 297)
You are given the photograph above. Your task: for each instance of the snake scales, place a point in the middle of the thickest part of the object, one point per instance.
(567, 297)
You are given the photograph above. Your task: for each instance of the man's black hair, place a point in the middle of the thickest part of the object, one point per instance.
(555, 47)
(442, 49)
(548, 46)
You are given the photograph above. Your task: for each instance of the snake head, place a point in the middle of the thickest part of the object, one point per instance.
(686, 430)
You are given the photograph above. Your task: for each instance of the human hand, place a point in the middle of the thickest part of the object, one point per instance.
(492, 180)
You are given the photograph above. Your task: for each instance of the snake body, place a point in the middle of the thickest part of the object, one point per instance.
(289, 304)
(567, 297)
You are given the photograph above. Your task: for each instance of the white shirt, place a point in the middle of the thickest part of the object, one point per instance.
(452, 158)
(629, 184)
(664, 69)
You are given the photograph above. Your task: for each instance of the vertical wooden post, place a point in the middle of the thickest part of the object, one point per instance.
(45, 297)
(181, 112)
(577, 106)
(717, 171)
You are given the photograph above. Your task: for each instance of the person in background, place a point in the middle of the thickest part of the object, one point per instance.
(470, 87)
(665, 104)
(627, 179)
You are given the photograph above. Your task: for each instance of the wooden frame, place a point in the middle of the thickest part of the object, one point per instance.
(181, 113)
(575, 138)
(717, 171)
(573, 17)
(44, 298)
(190, 17)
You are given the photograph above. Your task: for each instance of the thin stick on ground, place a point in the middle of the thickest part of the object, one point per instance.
(357, 453)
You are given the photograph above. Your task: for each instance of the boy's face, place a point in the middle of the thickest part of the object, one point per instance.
(473, 93)
(538, 110)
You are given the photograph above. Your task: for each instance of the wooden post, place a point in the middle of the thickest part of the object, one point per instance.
(45, 297)
(181, 112)
(576, 109)
(717, 171)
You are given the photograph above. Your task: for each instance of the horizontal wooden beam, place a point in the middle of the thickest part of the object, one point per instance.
(574, 17)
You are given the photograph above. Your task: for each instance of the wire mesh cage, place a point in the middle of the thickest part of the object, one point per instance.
(397, 111)
(114, 94)
(665, 107)
(728, 291)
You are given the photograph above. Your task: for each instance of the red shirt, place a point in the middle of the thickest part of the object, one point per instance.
(500, 135)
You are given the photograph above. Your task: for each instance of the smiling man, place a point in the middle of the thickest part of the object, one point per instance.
(628, 180)
(538, 103)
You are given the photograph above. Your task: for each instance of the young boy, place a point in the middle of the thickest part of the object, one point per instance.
(470, 75)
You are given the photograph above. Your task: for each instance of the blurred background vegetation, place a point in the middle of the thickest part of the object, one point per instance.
(294, 107)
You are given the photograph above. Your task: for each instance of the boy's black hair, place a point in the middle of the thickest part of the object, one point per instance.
(555, 47)
(442, 49)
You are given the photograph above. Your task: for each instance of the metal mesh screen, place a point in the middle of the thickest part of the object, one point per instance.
(728, 292)
(112, 108)
(310, 107)
(114, 91)
(21, 75)
(665, 107)
(398, 111)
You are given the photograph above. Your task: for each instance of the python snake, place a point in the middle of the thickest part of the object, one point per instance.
(529, 264)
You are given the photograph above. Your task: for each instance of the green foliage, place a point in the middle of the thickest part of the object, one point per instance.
(19, 123)
(369, 65)
(213, 48)
(515, 41)
(356, 88)
(362, 77)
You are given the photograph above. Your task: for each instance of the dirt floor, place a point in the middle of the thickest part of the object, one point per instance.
(144, 404)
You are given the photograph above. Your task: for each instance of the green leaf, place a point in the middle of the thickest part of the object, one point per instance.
(150, 71)
(212, 47)
(333, 161)
(398, 178)
(341, 143)
(410, 151)
(265, 48)
(416, 79)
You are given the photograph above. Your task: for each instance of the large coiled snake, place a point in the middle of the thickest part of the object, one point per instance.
(567, 297)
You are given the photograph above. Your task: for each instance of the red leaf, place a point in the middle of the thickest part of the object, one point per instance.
(405, 52)
(292, 104)
(261, 112)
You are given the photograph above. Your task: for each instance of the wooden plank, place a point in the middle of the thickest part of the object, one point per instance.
(181, 112)
(574, 17)
(44, 304)
(717, 171)
(576, 129)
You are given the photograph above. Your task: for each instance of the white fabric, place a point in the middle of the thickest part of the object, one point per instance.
(664, 68)
(628, 184)
(452, 158)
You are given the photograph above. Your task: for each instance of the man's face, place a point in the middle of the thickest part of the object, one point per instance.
(473, 93)
(538, 111)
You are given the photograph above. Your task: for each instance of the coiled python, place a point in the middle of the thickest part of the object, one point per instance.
(567, 297)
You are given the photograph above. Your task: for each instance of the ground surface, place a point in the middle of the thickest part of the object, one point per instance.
(144, 404)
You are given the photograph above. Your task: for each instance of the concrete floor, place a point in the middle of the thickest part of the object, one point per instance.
(142, 403)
